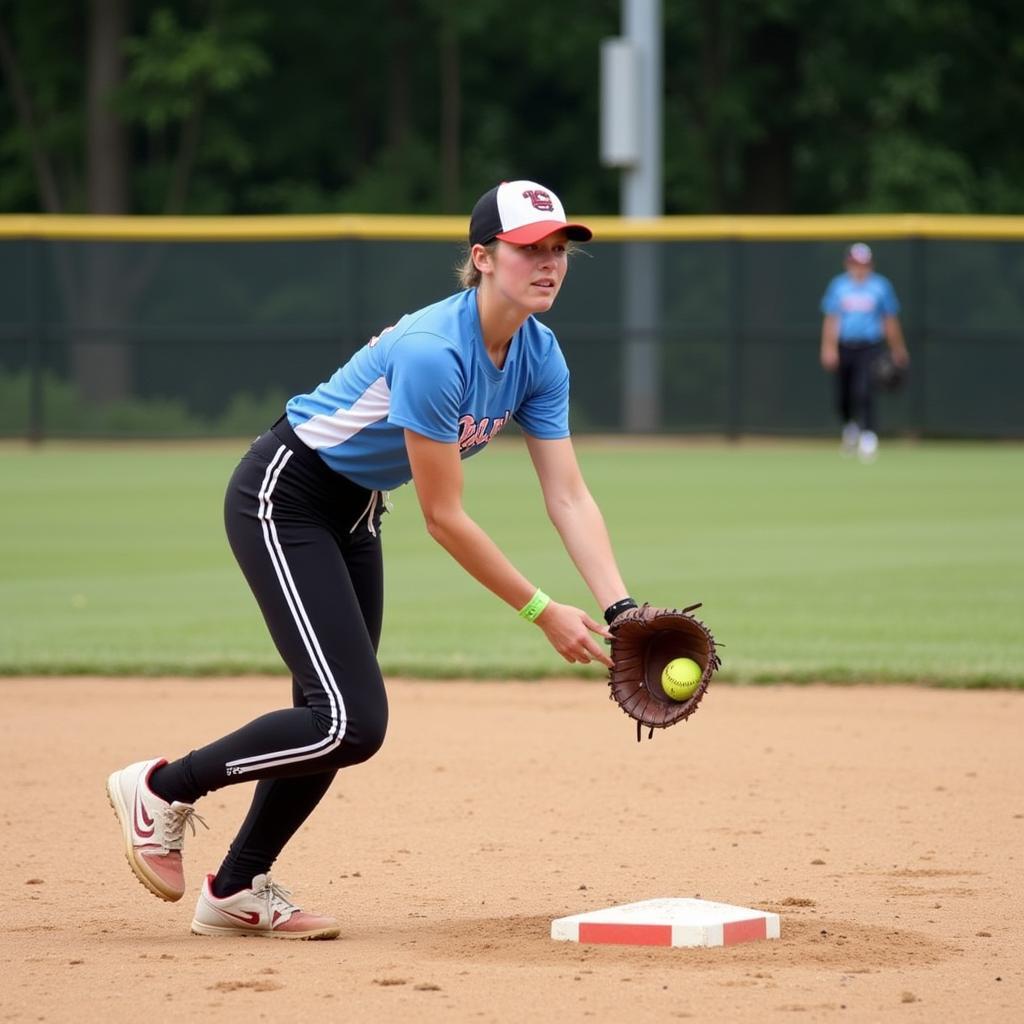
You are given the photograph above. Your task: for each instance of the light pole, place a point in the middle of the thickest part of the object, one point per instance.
(631, 139)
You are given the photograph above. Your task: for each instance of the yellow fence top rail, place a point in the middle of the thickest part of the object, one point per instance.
(84, 227)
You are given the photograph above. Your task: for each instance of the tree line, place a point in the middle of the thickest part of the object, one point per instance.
(395, 106)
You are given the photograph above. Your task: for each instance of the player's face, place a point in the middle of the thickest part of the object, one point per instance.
(531, 275)
(858, 271)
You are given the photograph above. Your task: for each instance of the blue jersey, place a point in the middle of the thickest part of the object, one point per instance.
(431, 373)
(861, 306)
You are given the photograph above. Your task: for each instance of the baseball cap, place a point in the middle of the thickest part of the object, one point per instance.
(521, 212)
(859, 253)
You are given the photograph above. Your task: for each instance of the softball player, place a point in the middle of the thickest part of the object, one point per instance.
(861, 313)
(303, 516)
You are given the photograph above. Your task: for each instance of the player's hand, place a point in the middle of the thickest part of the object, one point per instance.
(830, 359)
(571, 632)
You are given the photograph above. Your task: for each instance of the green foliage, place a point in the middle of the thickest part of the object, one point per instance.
(810, 566)
(170, 63)
(783, 107)
(47, 41)
(66, 414)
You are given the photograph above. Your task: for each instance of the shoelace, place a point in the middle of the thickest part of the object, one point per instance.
(175, 820)
(276, 897)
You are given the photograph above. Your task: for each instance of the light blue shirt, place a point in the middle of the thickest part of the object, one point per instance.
(431, 373)
(861, 306)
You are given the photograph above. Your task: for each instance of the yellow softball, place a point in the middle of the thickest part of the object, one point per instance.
(680, 678)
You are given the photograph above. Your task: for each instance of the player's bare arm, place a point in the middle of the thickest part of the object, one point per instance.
(830, 342)
(576, 516)
(437, 477)
(897, 343)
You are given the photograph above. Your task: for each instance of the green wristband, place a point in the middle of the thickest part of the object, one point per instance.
(534, 606)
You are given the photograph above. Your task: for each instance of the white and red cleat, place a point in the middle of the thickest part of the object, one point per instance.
(264, 911)
(153, 829)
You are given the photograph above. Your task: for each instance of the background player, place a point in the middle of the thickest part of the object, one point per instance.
(861, 314)
(303, 516)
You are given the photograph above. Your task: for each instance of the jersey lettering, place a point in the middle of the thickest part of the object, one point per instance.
(472, 433)
(859, 302)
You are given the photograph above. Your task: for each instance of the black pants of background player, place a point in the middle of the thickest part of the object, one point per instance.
(855, 383)
(308, 542)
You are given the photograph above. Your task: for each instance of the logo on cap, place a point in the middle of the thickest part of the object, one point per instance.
(540, 199)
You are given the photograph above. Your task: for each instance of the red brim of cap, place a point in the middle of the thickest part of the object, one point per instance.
(530, 233)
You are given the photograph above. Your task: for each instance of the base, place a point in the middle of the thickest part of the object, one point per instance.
(668, 922)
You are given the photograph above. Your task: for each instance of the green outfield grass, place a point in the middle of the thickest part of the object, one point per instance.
(810, 566)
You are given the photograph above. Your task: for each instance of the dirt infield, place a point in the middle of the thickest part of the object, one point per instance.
(885, 825)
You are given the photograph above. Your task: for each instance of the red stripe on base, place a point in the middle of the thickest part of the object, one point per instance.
(627, 934)
(744, 931)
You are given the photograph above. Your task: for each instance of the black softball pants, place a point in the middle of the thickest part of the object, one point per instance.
(308, 543)
(856, 384)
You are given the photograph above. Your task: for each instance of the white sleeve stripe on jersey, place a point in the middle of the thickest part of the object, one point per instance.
(372, 406)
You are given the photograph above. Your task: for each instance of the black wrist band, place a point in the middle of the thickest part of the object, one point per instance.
(614, 610)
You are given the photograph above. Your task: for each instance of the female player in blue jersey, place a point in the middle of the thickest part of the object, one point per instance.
(860, 316)
(303, 513)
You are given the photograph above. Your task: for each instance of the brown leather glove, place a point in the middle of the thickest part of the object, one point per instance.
(644, 641)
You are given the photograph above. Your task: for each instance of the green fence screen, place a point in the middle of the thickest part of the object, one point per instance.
(194, 338)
